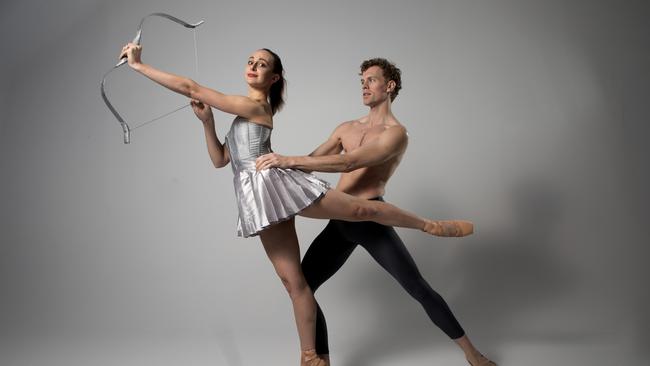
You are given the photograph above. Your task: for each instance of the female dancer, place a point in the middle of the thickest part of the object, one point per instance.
(268, 200)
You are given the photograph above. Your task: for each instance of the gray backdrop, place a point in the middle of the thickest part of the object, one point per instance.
(527, 117)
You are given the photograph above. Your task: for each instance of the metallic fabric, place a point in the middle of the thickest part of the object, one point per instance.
(271, 195)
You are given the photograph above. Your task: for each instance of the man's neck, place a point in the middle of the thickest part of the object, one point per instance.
(380, 113)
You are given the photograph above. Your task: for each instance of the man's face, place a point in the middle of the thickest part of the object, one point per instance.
(373, 86)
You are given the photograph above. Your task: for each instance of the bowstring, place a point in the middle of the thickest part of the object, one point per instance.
(159, 117)
(196, 54)
(196, 67)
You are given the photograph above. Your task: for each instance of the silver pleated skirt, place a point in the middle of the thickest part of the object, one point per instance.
(272, 195)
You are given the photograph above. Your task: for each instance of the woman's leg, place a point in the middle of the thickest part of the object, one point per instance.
(281, 245)
(342, 206)
(325, 256)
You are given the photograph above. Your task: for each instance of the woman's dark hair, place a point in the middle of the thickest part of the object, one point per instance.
(276, 95)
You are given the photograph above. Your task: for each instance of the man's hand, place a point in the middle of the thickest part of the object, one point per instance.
(272, 160)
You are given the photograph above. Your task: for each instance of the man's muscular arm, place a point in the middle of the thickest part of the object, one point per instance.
(330, 147)
(389, 144)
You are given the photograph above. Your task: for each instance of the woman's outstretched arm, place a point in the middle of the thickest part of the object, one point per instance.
(218, 152)
(234, 104)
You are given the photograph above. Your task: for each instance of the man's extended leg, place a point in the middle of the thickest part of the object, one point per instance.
(389, 251)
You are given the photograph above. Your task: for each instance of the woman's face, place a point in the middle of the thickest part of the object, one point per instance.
(259, 70)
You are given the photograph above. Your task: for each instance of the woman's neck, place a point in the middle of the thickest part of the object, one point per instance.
(258, 94)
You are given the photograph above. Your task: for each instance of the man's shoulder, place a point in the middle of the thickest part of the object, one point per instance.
(351, 123)
(396, 135)
(396, 127)
(347, 126)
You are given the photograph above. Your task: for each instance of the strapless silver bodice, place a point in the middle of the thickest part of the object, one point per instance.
(246, 141)
(268, 196)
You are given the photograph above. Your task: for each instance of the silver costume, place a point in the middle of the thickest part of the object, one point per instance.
(268, 196)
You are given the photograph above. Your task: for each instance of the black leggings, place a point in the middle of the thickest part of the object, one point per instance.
(334, 245)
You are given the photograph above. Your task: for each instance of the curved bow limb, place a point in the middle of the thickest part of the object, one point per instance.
(138, 40)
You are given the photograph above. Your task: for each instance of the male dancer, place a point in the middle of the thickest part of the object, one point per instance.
(373, 146)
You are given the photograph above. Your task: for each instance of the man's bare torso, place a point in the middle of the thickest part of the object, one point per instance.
(368, 182)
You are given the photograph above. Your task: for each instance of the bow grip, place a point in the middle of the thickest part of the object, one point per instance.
(136, 40)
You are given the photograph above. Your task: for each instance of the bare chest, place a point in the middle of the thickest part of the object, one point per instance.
(360, 136)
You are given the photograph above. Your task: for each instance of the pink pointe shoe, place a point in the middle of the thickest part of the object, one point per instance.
(449, 228)
(310, 358)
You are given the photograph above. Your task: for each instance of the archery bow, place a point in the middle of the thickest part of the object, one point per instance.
(137, 40)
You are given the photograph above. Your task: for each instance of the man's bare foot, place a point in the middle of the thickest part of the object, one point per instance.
(480, 360)
(448, 228)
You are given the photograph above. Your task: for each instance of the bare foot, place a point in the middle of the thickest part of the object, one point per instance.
(448, 228)
(480, 360)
